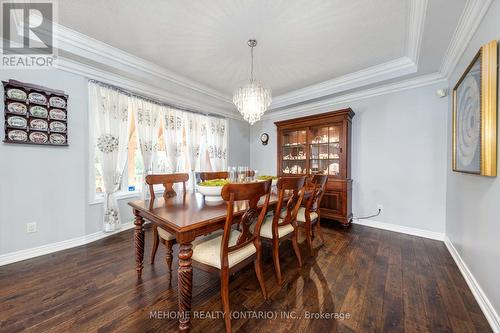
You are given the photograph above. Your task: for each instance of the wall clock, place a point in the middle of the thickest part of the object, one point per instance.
(264, 138)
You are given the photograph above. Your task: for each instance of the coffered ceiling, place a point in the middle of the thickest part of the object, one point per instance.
(326, 46)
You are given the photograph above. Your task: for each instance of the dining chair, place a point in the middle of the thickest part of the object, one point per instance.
(214, 175)
(160, 234)
(282, 224)
(232, 250)
(309, 216)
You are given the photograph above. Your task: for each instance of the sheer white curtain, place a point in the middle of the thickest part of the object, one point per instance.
(147, 122)
(110, 113)
(195, 142)
(174, 124)
(216, 132)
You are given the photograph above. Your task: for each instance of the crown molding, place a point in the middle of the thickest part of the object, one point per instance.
(326, 104)
(416, 25)
(386, 71)
(468, 23)
(92, 72)
(99, 52)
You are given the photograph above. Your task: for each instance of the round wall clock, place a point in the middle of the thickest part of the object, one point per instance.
(264, 138)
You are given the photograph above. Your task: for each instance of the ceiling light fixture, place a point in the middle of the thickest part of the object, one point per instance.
(252, 99)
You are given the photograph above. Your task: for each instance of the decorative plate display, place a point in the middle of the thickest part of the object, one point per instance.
(57, 139)
(58, 102)
(18, 108)
(38, 111)
(57, 126)
(38, 124)
(57, 114)
(38, 137)
(37, 98)
(17, 135)
(15, 93)
(16, 121)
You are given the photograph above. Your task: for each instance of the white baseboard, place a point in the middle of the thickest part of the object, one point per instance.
(11, 257)
(483, 301)
(401, 229)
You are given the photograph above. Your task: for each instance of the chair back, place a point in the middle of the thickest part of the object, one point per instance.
(251, 192)
(318, 184)
(295, 187)
(168, 181)
(214, 175)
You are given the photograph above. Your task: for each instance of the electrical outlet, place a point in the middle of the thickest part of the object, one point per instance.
(31, 227)
(380, 207)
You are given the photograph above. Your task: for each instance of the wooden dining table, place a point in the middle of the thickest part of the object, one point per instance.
(187, 216)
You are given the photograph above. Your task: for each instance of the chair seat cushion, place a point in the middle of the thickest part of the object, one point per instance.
(266, 230)
(207, 250)
(164, 234)
(301, 215)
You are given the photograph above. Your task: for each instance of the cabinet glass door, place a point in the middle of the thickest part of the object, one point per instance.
(325, 150)
(294, 158)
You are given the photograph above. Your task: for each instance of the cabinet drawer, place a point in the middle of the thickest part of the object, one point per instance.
(332, 201)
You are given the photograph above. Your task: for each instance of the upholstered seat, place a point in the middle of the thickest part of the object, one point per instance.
(301, 215)
(266, 230)
(207, 251)
(165, 234)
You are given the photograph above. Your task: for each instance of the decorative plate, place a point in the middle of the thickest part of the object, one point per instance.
(16, 121)
(38, 124)
(38, 137)
(38, 98)
(57, 126)
(15, 93)
(38, 111)
(57, 139)
(57, 114)
(17, 135)
(18, 108)
(58, 102)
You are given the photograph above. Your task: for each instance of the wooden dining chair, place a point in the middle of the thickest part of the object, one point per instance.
(160, 234)
(214, 175)
(309, 216)
(282, 224)
(234, 249)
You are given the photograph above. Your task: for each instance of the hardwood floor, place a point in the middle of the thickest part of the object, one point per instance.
(383, 281)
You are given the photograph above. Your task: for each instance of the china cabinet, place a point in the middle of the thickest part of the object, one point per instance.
(320, 144)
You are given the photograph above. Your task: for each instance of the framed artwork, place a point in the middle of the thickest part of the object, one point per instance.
(475, 115)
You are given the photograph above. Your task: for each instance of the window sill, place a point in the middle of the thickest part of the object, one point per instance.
(99, 198)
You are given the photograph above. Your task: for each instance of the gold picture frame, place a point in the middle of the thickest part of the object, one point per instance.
(475, 115)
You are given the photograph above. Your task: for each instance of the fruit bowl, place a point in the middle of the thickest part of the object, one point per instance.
(264, 178)
(211, 190)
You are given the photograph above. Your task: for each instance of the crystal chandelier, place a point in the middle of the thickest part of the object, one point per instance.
(253, 98)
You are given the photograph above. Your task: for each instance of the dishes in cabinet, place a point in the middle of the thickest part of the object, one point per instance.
(17, 135)
(57, 114)
(57, 102)
(334, 156)
(16, 121)
(38, 137)
(333, 169)
(39, 124)
(38, 111)
(15, 93)
(17, 108)
(57, 139)
(57, 126)
(296, 169)
(37, 98)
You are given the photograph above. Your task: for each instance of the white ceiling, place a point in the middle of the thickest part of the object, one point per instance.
(301, 43)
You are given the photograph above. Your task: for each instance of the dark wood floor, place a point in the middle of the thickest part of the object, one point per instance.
(384, 282)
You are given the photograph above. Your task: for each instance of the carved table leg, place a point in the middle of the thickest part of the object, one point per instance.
(139, 244)
(185, 285)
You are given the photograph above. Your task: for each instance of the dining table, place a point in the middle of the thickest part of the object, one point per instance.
(187, 216)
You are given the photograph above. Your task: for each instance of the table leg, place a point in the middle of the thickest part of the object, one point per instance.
(185, 285)
(139, 244)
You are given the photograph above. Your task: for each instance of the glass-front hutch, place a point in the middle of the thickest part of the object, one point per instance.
(320, 144)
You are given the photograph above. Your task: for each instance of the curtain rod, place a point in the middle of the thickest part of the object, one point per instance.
(152, 100)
